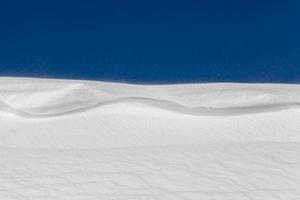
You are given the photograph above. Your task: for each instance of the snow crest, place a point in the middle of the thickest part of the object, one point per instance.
(54, 98)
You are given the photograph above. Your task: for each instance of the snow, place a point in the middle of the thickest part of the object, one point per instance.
(71, 139)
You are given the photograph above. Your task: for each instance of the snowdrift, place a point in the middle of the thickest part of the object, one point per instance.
(70, 139)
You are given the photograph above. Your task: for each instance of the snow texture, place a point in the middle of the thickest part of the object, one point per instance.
(67, 139)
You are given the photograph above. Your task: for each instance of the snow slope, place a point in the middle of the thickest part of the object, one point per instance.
(65, 139)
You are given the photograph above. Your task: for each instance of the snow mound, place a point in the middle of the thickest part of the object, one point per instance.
(46, 98)
(71, 139)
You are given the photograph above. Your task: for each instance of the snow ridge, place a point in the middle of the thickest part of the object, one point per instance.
(34, 98)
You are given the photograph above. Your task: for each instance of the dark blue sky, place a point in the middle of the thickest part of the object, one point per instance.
(152, 41)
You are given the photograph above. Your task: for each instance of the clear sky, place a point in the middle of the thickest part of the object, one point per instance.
(153, 41)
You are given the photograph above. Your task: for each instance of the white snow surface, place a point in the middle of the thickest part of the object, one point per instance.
(71, 139)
